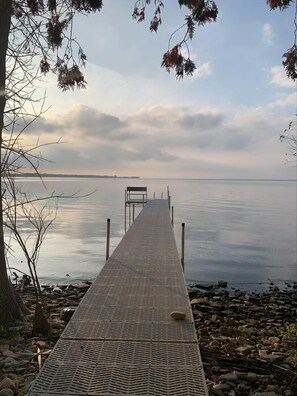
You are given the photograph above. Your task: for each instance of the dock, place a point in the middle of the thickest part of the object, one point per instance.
(121, 339)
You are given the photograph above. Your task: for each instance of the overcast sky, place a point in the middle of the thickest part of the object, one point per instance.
(135, 119)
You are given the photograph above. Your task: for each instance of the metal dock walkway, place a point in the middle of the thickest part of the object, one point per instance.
(121, 339)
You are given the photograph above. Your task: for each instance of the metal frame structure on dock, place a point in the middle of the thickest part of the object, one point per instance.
(134, 197)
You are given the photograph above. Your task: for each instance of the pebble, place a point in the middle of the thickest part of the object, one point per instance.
(221, 386)
(6, 392)
(178, 315)
(18, 357)
(247, 329)
(7, 383)
(242, 340)
(228, 377)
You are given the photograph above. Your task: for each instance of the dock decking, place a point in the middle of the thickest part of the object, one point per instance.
(121, 339)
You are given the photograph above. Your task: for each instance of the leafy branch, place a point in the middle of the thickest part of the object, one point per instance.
(289, 135)
(202, 12)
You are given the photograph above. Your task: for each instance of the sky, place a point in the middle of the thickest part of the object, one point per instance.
(136, 119)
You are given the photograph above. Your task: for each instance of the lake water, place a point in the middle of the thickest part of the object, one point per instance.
(243, 232)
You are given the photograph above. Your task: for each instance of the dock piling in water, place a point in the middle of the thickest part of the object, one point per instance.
(183, 247)
(107, 238)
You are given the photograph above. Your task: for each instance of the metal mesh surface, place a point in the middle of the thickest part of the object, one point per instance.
(140, 280)
(121, 339)
(120, 313)
(133, 300)
(76, 379)
(126, 353)
(174, 331)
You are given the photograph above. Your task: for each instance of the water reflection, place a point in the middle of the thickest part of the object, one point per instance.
(237, 231)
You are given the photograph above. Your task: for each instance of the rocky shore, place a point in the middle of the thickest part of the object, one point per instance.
(248, 340)
(21, 354)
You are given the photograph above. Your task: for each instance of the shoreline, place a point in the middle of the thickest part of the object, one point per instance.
(244, 339)
(247, 340)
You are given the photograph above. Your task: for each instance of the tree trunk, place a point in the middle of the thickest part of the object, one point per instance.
(11, 308)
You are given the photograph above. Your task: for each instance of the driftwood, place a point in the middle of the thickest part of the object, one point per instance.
(246, 364)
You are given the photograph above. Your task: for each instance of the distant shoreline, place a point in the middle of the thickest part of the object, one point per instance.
(61, 175)
(74, 175)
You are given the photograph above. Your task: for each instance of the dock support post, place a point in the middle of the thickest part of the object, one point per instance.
(172, 212)
(125, 211)
(133, 217)
(107, 239)
(183, 247)
(125, 218)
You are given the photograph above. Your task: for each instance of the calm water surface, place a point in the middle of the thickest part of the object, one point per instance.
(240, 231)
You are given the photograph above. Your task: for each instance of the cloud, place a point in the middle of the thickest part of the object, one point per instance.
(280, 79)
(238, 142)
(82, 121)
(204, 70)
(163, 140)
(202, 120)
(268, 34)
(286, 101)
(93, 122)
(42, 126)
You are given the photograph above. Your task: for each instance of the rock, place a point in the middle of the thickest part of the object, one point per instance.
(10, 362)
(198, 301)
(28, 381)
(67, 313)
(6, 392)
(245, 350)
(178, 315)
(206, 286)
(9, 353)
(222, 283)
(41, 344)
(234, 322)
(221, 386)
(273, 340)
(82, 286)
(57, 324)
(262, 353)
(214, 317)
(229, 331)
(217, 392)
(272, 357)
(8, 383)
(230, 322)
(245, 324)
(242, 389)
(16, 328)
(228, 377)
(247, 376)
